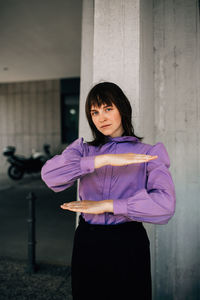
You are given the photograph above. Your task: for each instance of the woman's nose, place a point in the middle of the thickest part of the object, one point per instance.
(102, 117)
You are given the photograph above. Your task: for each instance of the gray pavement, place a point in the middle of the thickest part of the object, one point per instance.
(50, 282)
(54, 239)
(54, 227)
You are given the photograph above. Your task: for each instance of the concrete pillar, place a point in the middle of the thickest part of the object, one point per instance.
(119, 27)
(86, 63)
(117, 46)
(154, 53)
(177, 121)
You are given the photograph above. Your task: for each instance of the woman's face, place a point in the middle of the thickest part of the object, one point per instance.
(107, 120)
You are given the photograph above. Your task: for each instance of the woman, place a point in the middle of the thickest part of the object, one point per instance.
(123, 182)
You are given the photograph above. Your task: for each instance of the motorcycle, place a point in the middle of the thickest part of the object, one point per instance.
(21, 165)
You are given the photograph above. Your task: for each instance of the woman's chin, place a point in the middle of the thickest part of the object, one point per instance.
(106, 132)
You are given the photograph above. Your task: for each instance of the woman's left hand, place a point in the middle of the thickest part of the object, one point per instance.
(89, 207)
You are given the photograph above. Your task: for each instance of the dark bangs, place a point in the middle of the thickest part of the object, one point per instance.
(109, 93)
(98, 100)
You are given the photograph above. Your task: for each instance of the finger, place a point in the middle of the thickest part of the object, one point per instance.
(70, 203)
(141, 160)
(63, 206)
(153, 157)
(70, 206)
(144, 156)
(144, 160)
(75, 209)
(67, 205)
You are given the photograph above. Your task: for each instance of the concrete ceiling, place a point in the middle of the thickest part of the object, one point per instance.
(39, 39)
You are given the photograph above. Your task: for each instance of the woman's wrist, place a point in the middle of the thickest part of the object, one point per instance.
(108, 205)
(100, 161)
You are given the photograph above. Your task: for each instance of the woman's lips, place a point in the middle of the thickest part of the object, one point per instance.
(105, 126)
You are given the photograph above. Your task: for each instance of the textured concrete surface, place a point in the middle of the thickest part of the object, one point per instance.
(40, 39)
(153, 53)
(177, 124)
(50, 282)
(30, 117)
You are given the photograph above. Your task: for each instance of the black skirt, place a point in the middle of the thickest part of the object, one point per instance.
(111, 262)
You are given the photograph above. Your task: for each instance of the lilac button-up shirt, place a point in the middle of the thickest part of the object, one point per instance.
(142, 192)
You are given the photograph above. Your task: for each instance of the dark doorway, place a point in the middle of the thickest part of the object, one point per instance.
(70, 91)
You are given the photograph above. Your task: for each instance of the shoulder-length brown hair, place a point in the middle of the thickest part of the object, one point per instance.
(108, 93)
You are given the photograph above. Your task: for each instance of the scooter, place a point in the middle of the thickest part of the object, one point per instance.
(21, 165)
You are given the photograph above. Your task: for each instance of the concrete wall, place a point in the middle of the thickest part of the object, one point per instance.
(118, 47)
(177, 124)
(146, 77)
(119, 38)
(111, 51)
(29, 117)
(86, 64)
(40, 39)
(151, 49)
(40, 42)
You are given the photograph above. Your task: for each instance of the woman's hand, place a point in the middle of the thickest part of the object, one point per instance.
(122, 159)
(128, 158)
(89, 207)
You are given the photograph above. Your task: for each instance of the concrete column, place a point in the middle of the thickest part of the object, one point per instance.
(120, 49)
(177, 121)
(117, 46)
(86, 63)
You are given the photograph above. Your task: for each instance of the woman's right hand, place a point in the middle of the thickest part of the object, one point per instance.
(122, 159)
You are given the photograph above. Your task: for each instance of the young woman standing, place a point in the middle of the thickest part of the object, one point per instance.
(123, 182)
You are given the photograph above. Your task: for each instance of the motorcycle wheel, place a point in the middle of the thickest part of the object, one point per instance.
(15, 173)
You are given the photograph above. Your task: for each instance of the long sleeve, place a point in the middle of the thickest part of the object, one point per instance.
(61, 171)
(156, 202)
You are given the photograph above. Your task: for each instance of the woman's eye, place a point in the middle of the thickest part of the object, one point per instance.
(109, 109)
(94, 113)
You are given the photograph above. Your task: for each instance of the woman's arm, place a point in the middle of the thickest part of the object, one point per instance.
(63, 170)
(99, 207)
(89, 207)
(121, 159)
(155, 203)
(60, 172)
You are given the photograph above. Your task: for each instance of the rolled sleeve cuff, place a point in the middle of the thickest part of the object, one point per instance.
(120, 207)
(87, 164)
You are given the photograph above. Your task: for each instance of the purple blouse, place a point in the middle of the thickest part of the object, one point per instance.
(142, 192)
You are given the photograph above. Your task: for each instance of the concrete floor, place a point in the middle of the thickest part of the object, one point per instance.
(48, 283)
(54, 227)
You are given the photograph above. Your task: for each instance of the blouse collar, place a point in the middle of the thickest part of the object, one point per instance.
(124, 139)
